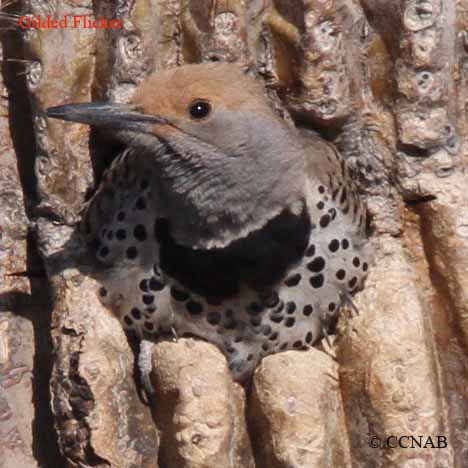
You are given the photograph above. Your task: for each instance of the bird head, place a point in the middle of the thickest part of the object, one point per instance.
(224, 162)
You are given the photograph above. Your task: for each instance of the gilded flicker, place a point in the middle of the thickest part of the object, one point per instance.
(220, 220)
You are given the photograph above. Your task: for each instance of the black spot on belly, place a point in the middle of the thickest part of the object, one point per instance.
(136, 314)
(143, 285)
(308, 337)
(352, 282)
(310, 252)
(317, 281)
(345, 244)
(290, 307)
(325, 221)
(214, 318)
(307, 310)
(340, 274)
(255, 321)
(194, 308)
(276, 318)
(230, 349)
(316, 265)
(334, 245)
(140, 232)
(270, 300)
(293, 280)
(179, 295)
(104, 252)
(128, 321)
(279, 308)
(121, 234)
(356, 262)
(103, 292)
(132, 253)
(155, 285)
(148, 299)
(140, 203)
(290, 321)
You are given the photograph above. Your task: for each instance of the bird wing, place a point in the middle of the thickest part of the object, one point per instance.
(326, 166)
(336, 260)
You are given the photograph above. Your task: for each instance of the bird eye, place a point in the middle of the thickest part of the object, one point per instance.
(199, 109)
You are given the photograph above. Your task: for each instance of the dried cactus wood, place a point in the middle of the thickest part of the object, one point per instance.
(386, 82)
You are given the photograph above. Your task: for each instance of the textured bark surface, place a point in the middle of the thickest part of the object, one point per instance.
(384, 80)
(199, 410)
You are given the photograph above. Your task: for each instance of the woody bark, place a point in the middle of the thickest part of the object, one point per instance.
(386, 81)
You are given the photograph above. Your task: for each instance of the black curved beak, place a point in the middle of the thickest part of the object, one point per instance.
(105, 114)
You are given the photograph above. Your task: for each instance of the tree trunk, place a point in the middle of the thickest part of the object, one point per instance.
(386, 81)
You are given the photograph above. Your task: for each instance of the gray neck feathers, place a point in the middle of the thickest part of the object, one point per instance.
(212, 196)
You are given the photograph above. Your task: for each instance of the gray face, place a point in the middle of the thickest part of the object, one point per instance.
(225, 163)
(225, 177)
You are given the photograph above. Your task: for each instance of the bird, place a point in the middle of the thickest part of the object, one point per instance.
(219, 219)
